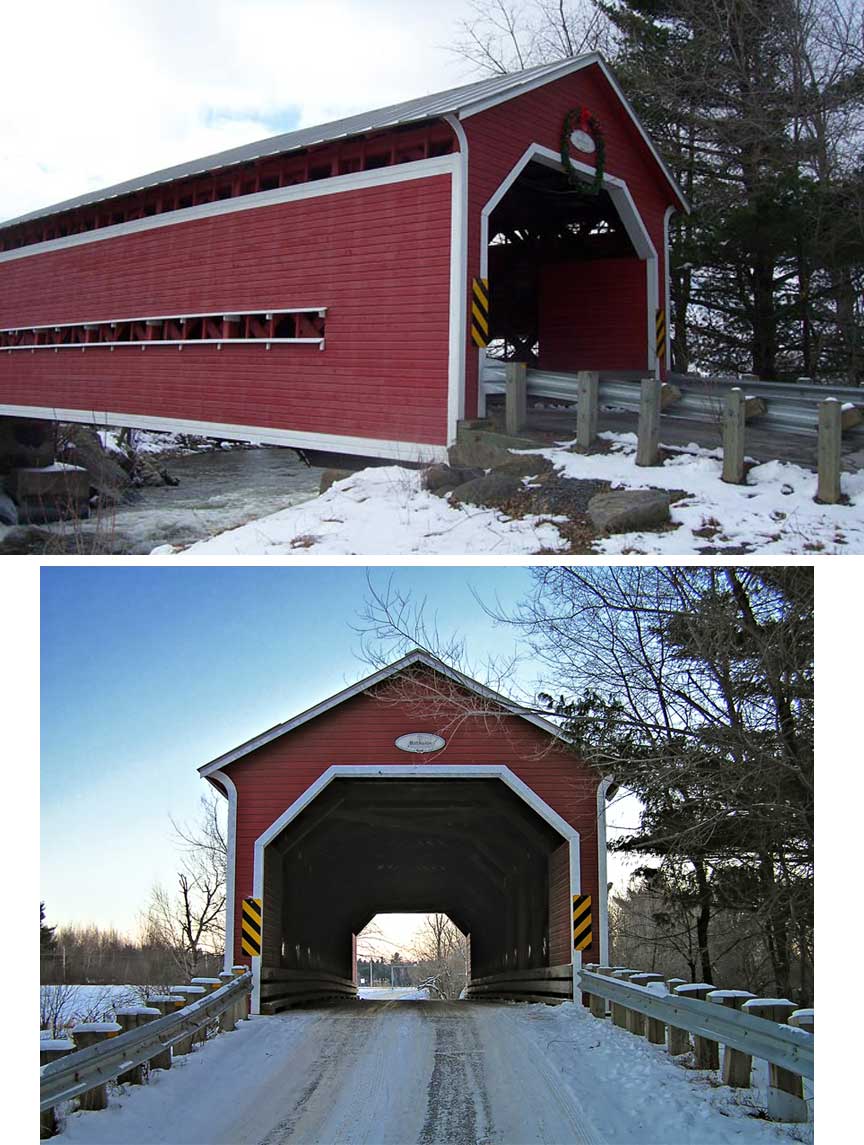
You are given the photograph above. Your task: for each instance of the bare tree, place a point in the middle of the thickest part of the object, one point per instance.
(442, 950)
(189, 921)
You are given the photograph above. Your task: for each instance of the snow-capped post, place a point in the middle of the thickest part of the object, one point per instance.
(243, 1004)
(164, 1003)
(228, 1017)
(185, 995)
(50, 1049)
(596, 1003)
(734, 420)
(648, 446)
(88, 1034)
(737, 1065)
(677, 1041)
(130, 1018)
(209, 985)
(706, 1051)
(516, 396)
(654, 1029)
(803, 1019)
(588, 394)
(785, 1089)
(829, 451)
(620, 1013)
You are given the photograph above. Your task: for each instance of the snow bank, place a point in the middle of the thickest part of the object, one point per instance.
(384, 511)
(773, 513)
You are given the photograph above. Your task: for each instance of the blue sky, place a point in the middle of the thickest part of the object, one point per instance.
(149, 672)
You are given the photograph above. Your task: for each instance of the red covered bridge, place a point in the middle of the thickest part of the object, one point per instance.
(316, 289)
(416, 789)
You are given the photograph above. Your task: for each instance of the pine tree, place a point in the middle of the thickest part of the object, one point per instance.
(47, 941)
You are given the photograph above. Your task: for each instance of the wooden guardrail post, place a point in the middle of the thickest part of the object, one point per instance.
(88, 1034)
(829, 451)
(648, 447)
(734, 420)
(515, 396)
(785, 1089)
(130, 1018)
(185, 995)
(705, 1051)
(588, 395)
(228, 1017)
(164, 1003)
(209, 985)
(50, 1049)
(620, 1013)
(244, 1002)
(597, 1004)
(653, 1028)
(677, 1040)
(802, 1019)
(736, 1064)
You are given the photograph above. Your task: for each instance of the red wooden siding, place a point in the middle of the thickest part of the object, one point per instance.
(498, 137)
(593, 313)
(378, 258)
(362, 730)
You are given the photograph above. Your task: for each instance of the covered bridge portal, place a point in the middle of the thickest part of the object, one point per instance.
(414, 790)
(316, 289)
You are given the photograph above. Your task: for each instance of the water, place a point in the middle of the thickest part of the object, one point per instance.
(218, 490)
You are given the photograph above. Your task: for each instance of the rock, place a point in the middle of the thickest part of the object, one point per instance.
(8, 510)
(628, 510)
(478, 447)
(329, 476)
(494, 490)
(525, 465)
(25, 442)
(441, 479)
(82, 447)
(23, 541)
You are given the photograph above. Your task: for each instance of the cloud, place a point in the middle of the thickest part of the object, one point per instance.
(98, 92)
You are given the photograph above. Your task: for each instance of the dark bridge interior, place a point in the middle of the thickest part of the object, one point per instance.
(468, 848)
(543, 222)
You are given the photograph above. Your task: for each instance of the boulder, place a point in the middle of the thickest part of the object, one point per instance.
(82, 447)
(329, 476)
(441, 479)
(479, 447)
(494, 490)
(22, 541)
(525, 465)
(628, 510)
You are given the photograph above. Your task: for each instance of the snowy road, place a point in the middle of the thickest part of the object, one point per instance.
(398, 1072)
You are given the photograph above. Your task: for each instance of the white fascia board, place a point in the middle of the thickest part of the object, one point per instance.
(667, 285)
(602, 892)
(559, 72)
(335, 185)
(458, 284)
(407, 451)
(231, 863)
(411, 658)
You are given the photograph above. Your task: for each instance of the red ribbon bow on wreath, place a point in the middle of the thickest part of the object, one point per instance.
(581, 119)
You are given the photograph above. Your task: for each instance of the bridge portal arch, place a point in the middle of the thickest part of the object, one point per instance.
(494, 821)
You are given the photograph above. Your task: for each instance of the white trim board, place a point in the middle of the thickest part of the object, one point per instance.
(419, 771)
(414, 657)
(628, 212)
(458, 283)
(407, 451)
(231, 864)
(335, 185)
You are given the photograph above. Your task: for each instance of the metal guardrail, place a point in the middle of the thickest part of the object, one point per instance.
(83, 1069)
(784, 1046)
(791, 406)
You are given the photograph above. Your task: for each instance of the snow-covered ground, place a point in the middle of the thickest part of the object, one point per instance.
(383, 510)
(430, 1072)
(62, 1006)
(386, 511)
(393, 993)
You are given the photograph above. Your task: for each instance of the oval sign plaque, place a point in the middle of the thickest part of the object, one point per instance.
(582, 141)
(420, 742)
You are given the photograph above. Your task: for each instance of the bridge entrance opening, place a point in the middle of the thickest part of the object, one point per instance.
(568, 288)
(471, 849)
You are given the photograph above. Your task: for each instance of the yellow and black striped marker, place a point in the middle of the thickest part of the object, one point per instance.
(250, 927)
(480, 312)
(660, 326)
(582, 936)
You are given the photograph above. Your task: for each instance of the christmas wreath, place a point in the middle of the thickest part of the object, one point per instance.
(581, 119)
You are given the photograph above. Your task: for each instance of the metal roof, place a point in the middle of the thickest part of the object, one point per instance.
(455, 100)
